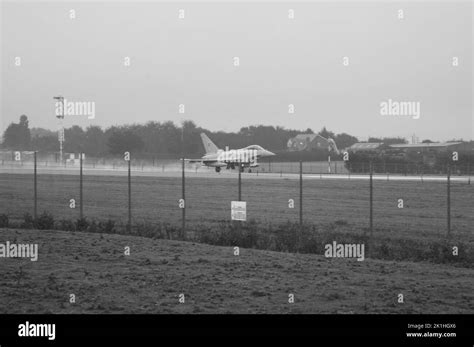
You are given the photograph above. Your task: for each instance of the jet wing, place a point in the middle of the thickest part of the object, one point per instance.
(201, 161)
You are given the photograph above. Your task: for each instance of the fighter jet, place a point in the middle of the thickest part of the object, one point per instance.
(235, 158)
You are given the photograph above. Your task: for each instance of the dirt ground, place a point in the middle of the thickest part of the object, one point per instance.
(103, 279)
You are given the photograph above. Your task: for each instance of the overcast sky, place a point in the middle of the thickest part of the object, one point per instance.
(283, 61)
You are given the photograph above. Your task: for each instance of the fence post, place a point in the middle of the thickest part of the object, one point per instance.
(448, 199)
(81, 211)
(301, 192)
(36, 190)
(129, 224)
(240, 182)
(371, 202)
(469, 173)
(183, 216)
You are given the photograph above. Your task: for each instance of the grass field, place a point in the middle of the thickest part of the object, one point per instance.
(155, 200)
(94, 268)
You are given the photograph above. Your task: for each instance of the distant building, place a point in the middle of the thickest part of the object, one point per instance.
(439, 146)
(413, 147)
(365, 147)
(308, 142)
(415, 139)
(415, 152)
(426, 152)
(74, 158)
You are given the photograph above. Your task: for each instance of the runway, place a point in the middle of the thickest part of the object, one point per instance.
(175, 172)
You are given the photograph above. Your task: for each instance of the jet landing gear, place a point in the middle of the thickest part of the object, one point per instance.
(218, 169)
(242, 169)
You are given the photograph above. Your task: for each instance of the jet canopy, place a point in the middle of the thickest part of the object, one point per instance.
(255, 147)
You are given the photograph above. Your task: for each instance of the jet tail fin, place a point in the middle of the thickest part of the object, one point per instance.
(209, 146)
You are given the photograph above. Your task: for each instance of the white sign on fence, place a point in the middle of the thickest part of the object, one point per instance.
(239, 210)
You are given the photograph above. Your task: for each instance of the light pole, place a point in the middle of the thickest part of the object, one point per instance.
(60, 117)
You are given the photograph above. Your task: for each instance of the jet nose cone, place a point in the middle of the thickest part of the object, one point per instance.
(269, 154)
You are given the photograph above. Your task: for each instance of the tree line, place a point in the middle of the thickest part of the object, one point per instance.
(153, 139)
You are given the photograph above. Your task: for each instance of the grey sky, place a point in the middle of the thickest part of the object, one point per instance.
(282, 62)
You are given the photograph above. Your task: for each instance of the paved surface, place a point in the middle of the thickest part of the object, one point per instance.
(210, 173)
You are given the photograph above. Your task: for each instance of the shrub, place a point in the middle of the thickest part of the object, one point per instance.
(3, 221)
(107, 227)
(340, 222)
(93, 227)
(28, 221)
(44, 222)
(66, 225)
(287, 237)
(82, 224)
(145, 229)
(170, 232)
